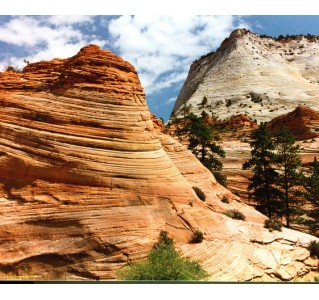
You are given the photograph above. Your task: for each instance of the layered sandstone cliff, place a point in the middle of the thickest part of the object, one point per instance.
(255, 75)
(87, 182)
(303, 122)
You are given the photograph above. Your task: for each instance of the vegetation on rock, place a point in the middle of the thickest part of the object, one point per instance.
(313, 248)
(13, 69)
(200, 194)
(311, 185)
(186, 109)
(201, 141)
(272, 224)
(276, 184)
(204, 101)
(225, 200)
(164, 262)
(262, 183)
(235, 214)
(288, 161)
(198, 237)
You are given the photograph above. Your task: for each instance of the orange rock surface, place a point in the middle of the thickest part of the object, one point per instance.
(303, 122)
(87, 182)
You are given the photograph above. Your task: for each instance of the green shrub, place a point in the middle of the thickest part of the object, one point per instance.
(198, 237)
(164, 263)
(228, 102)
(234, 214)
(225, 200)
(313, 248)
(164, 240)
(220, 178)
(272, 224)
(316, 279)
(204, 101)
(200, 194)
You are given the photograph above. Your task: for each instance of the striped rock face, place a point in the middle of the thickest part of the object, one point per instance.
(87, 183)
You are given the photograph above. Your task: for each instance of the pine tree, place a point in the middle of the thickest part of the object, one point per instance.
(289, 162)
(262, 183)
(201, 139)
(186, 109)
(311, 185)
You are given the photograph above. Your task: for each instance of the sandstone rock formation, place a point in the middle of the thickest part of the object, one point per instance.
(255, 75)
(87, 182)
(303, 122)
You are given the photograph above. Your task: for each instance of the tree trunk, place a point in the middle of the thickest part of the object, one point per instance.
(287, 209)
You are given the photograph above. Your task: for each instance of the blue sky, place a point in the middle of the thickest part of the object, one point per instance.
(161, 47)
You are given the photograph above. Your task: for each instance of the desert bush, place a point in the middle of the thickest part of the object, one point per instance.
(164, 262)
(200, 194)
(228, 102)
(225, 200)
(198, 237)
(41, 87)
(272, 224)
(204, 101)
(13, 69)
(234, 214)
(313, 248)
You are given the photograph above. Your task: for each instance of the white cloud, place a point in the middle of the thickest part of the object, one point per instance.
(61, 20)
(46, 37)
(160, 47)
(163, 47)
(171, 100)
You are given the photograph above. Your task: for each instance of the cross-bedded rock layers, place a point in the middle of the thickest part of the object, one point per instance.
(87, 183)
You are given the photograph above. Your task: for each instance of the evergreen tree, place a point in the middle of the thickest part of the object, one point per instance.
(186, 109)
(201, 142)
(312, 183)
(311, 186)
(262, 183)
(204, 102)
(289, 162)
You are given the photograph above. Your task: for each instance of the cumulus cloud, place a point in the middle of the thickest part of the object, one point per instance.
(163, 47)
(171, 100)
(45, 37)
(61, 20)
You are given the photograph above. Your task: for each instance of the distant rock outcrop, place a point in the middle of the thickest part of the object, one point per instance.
(303, 122)
(87, 182)
(255, 75)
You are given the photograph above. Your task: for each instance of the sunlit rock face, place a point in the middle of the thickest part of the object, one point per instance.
(88, 180)
(254, 75)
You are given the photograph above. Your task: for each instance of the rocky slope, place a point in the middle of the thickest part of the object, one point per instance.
(254, 75)
(87, 182)
(303, 122)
